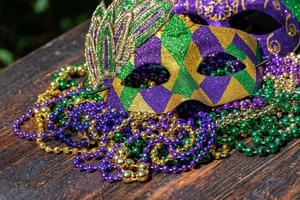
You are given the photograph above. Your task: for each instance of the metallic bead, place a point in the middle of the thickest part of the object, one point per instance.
(217, 155)
(93, 150)
(120, 162)
(122, 152)
(57, 150)
(48, 149)
(127, 176)
(42, 145)
(66, 150)
(68, 68)
(130, 162)
(142, 165)
(39, 140)
(83, 151)
(75, 151)
(142, 175)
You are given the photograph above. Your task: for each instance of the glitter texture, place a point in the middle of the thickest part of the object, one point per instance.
(177, 41)
(161, 32)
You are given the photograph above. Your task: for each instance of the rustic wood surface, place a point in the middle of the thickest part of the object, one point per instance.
(28, 173)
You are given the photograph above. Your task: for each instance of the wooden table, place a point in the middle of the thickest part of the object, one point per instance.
(28, 173)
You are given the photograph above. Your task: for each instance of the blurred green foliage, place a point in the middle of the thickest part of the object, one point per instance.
(27, 24)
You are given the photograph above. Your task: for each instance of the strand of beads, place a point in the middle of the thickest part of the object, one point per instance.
(40, 110)
(52, 99)
(170, 145)
(127, 146)
(271, 120)
(76, 118)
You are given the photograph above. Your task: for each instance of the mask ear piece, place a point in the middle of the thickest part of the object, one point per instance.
(254, 22)
(263, 62)
(147, 76)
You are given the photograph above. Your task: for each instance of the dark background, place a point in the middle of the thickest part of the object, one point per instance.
(27, 24)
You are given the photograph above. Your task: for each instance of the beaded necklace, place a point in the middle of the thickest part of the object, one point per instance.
(127, 146)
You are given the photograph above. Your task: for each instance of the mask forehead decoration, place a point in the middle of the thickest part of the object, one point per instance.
(116, 33)
(281, 39)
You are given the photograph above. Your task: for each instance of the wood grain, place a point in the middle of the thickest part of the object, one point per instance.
(28, 173)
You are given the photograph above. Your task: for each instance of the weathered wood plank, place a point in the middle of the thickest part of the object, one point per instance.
(28, 173)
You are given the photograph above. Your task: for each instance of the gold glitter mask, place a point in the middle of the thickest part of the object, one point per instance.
(155, 55)
(184, 53)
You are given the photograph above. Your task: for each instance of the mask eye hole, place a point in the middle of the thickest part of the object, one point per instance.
(254, 22)
(147, 76)
(220, 64)
(197, 19)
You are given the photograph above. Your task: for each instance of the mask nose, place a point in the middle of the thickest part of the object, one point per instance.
(220, 64)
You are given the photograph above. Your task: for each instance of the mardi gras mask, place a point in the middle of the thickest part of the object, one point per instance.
(134, 41)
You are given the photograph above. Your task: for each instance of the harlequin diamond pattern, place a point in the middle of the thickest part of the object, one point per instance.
(185, 85)
(173, 43)
(220, 84)
(178, 41)
(157, 98)
(239, 43)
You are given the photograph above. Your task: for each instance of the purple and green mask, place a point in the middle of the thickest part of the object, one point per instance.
(155, 55)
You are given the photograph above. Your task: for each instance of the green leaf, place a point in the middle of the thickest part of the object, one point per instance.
(41, 6)
(6, 56)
